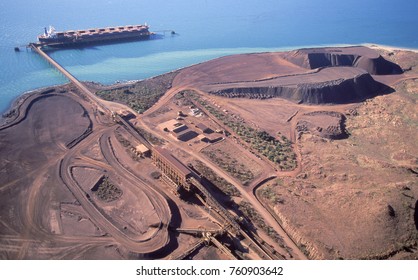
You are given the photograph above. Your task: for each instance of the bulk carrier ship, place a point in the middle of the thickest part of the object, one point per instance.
(93, 36)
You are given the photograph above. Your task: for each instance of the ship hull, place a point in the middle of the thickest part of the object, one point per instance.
(93, 42)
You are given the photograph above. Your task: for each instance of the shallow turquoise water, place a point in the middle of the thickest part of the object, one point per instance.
(207, 29)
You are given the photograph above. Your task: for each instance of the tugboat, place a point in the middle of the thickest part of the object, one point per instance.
(52, 38)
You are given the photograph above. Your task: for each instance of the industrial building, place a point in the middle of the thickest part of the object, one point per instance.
(187, 135)
(203, 128)
(210, 139)
(171, 167)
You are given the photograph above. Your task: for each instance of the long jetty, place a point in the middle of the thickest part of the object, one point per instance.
(90, 95)
(38, 49)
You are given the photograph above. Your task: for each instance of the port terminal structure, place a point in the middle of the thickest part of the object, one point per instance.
(178, 175)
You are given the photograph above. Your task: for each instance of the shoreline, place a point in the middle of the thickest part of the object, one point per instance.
(388, 47)
(18, 100)
(14, 111)
(56, 138)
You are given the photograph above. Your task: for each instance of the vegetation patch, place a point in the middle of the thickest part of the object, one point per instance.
(141, 95)
(180, 100)
(219, 182)
(279, 151)
(230, 165)
(150, 137)
(251, 214)
(122, 140)
(106, 191)
(271, 195)
(127, 144)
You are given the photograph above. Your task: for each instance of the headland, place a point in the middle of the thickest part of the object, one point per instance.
(303, 154)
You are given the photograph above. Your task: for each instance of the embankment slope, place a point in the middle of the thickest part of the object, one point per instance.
(312, 76)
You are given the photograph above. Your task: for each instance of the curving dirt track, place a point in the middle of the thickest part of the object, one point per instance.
(36, 180)
(155, 238)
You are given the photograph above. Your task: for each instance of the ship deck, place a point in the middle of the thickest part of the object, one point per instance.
(106, 30)
(94, 36)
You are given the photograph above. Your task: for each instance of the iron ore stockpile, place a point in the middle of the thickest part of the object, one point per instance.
(254, 156)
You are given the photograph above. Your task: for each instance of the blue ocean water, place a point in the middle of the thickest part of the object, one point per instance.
(206, 28)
